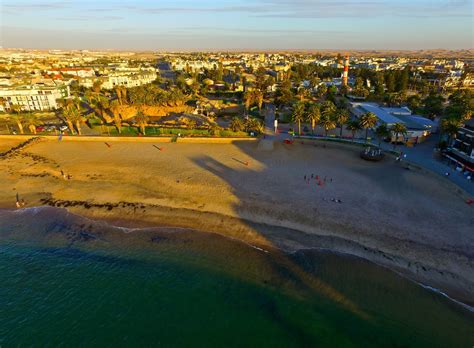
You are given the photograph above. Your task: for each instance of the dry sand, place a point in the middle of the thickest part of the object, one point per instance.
(410, 221)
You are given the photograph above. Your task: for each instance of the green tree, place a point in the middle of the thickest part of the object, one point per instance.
(297, 115)
(328, 109)
(327, 122)
(368, 120)
(73, 117)
(398, 129)
(115, 110)
(341, 117)
(450, 126)
(17, 117)
(313, 115)
(142, 121)
(253, 124)
(433, 105)
(390, 81)
(322, 90)
(353, 126)
(32, 122)
(414, 102)
(236, 124)
(402, 80)
(382, 132)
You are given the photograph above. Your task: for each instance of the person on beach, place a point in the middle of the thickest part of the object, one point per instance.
(18, 200)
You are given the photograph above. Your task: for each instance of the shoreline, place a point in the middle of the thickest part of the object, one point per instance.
(137, 226)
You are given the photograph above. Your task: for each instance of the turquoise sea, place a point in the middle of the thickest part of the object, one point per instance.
(68, 281)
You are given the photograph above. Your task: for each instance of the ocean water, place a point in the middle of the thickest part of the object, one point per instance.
(69, 281)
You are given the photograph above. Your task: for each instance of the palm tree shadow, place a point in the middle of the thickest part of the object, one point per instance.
(284, 264)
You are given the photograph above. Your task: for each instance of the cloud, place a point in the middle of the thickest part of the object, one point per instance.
(89, 18)
(23, 6)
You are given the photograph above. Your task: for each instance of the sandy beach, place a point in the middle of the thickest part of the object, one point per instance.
(410, 221)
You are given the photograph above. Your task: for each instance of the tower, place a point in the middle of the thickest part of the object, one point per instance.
(345, 75)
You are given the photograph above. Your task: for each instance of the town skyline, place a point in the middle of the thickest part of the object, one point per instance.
(237, 25)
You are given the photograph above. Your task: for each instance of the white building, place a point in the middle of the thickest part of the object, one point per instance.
(194, 65)
(121, 79)
(33, 98)
(79, 72)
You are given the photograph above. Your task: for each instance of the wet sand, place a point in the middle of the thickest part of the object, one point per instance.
(412, 222)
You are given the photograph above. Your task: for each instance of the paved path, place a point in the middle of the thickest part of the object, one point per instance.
(270, 120)
(422, 155)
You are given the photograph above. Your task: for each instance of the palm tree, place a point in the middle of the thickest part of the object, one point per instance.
(382, 132)
(102, 105)
(254, 124)
(341, 117)
(69, 114)
(115, 110)
(3, 103)
(236, 124)
(368, 120)
(18, 118)
(466, 116)
(76, 118)
(328, 122)
(302, 93)
(398, 129)
(32, 122)
(248, 99)
(142, 121)
(353, 126)
(313, 116)
(258, 98)
(450, 126)
(298, 115)
(328, 109)
(121, 93)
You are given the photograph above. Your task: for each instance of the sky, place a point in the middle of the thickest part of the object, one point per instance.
(236, 24)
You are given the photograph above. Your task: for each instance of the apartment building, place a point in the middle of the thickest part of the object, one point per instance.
(32, 98)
